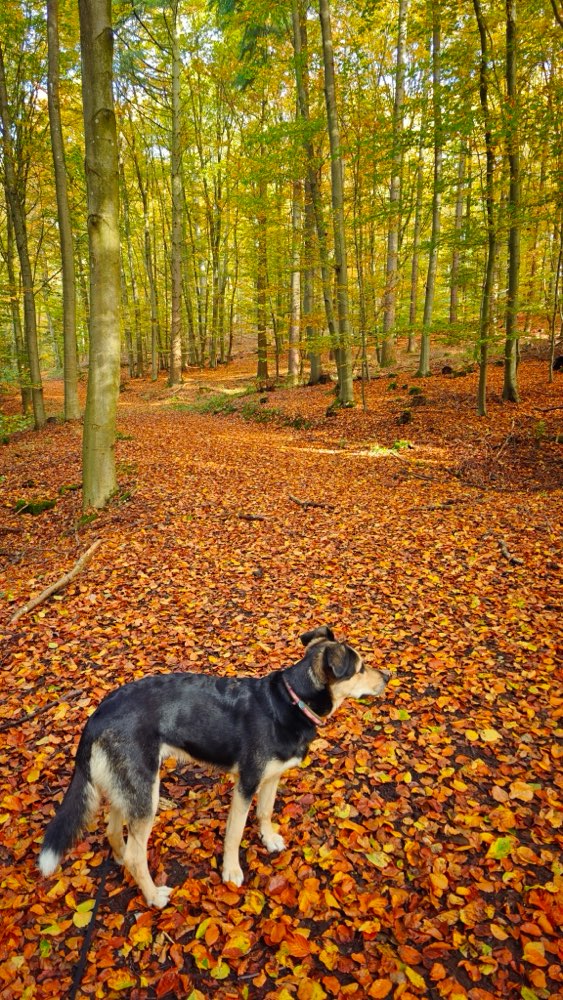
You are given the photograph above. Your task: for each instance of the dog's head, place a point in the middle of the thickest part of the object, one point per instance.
(340, 668)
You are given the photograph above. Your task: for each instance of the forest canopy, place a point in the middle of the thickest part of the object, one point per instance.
(448, 144)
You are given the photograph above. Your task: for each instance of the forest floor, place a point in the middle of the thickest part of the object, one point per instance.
(424, 831)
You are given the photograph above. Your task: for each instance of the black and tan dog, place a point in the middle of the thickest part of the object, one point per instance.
(253, 727)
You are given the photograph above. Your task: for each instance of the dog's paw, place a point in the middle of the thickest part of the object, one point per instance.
(159, 896)
(273, 842)
(233, 873)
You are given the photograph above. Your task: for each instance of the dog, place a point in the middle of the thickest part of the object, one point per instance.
(256, 728)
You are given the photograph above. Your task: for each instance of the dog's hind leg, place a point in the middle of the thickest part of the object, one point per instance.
(115, 834)
(264, 807)
(232, 871)
(135, 857)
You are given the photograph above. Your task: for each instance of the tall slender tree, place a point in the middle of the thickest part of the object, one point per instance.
(392, 263)
(510, 386)
(102, 182)
(16, 202)
(343, 353)
(486, 296)
(70, 365)
(424, 363)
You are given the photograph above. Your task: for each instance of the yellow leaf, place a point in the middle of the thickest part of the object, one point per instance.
(221, 971)
(121, 980)
(81, 919)
(140, 937)
(415, 978)
(471, 734)
(489, 735)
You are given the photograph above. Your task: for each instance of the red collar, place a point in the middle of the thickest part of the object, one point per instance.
(301, 704)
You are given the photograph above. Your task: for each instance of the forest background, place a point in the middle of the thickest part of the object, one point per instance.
(366, 193)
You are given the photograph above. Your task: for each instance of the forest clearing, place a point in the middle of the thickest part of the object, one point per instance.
(423, 832)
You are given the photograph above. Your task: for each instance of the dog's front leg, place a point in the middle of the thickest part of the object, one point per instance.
(264, 808)
(232, 871)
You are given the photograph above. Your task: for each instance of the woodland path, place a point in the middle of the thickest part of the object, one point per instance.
(424, 836)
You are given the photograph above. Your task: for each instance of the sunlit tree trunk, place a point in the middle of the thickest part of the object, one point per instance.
(102, 185)
(413, 302)
(175, 373)
(458, 225)
(486, 297)
(14, 292)
(17, 211)
(70, 364)
(313, 199)
(510, 386)
(424, 364)
(392, 263)
(295, 289)
(343, 356)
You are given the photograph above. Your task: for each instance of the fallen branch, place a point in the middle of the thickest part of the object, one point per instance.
(252, 517)
(39, 711)
(59, 584)
(513, 560)
(310, 503)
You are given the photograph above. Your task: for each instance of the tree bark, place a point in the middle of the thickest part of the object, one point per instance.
(510, 387)
(175, 374)
(424, 364)
(17, 211)
(70, 359)
(300, 46)
(102, 185)
(486, 298)
(343, 355)
(392, 263)
(458, 225)
(294, 361)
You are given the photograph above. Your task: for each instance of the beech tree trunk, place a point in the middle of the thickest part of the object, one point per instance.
(312, 183)
(486, 298)
(458, 224)
(510, 387)
(175, 374)
(295, 288)
(343, 354)
(424, 364)
(392, 264)
(17, 211)
(102, 186)
(70, 359)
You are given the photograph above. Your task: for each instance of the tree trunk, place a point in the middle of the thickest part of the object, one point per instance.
(17, 211)
(343, 356)
(424, 364)
(70, 365)
(392, 264)
(175, 374)
(510, 387)
(102, 185)
(458, 224)
(14, 291)
(312, 181)
(294, 361)
(486, 298)
(416, 237)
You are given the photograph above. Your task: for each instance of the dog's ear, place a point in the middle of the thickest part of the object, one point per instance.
(340, 660)
(323, 632)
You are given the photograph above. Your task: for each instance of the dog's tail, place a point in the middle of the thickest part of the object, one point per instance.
(72, 816)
